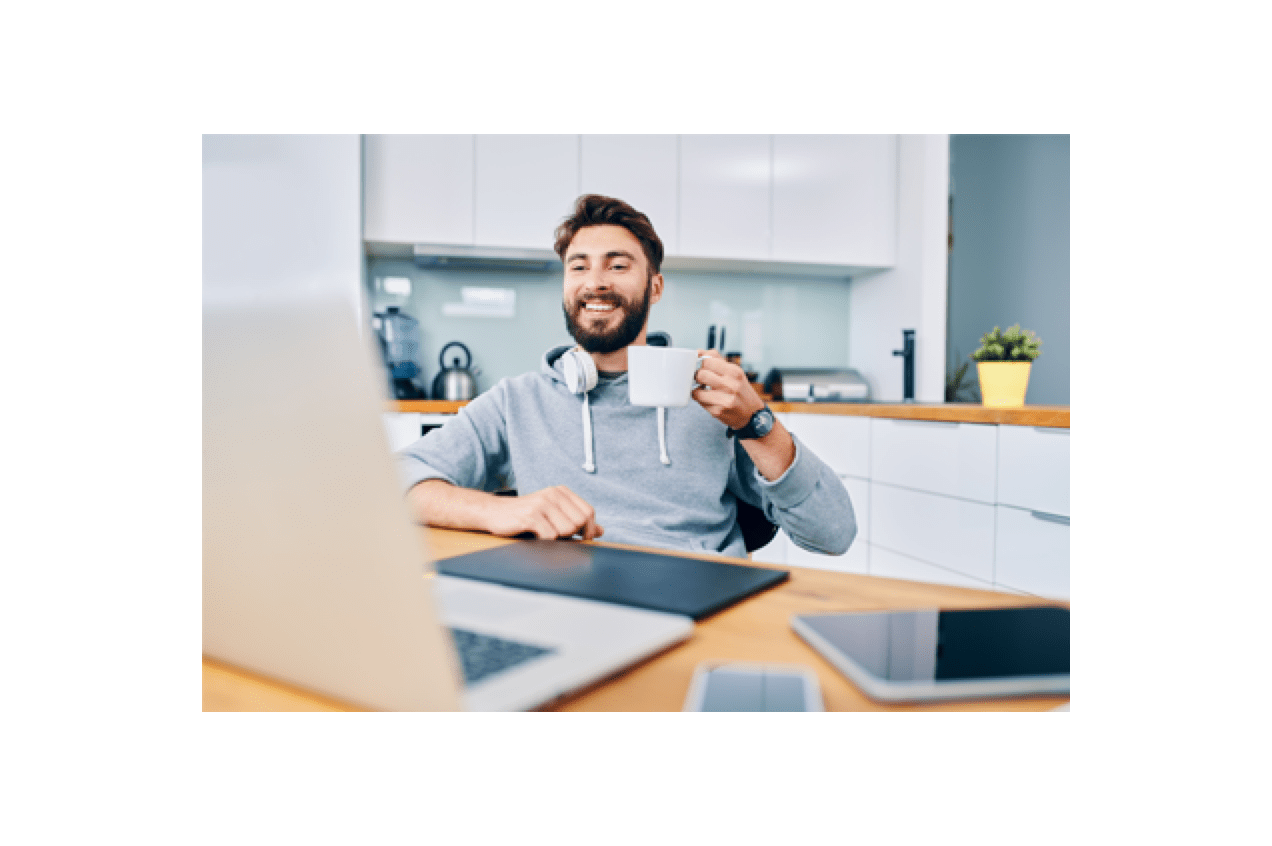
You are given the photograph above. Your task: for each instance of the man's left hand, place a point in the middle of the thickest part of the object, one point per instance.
(728, 395)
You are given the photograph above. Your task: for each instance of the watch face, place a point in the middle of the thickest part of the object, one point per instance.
(762, 423)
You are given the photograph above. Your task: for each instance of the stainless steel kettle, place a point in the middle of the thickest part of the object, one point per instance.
(456, 383)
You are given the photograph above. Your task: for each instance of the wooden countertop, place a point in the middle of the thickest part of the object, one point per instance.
(755, 630)
(1050, 416)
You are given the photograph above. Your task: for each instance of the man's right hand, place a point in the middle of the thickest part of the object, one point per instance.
(550, 513)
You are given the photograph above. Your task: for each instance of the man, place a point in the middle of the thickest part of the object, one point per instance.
(592, 464)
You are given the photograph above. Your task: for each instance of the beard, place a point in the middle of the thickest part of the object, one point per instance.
(607, 341)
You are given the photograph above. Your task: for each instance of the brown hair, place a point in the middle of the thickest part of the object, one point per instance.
(596, 210)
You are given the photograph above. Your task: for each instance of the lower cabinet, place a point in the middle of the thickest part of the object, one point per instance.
(950, 533)
(1032, 552)
(893, 565)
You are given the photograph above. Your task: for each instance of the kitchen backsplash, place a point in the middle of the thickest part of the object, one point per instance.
(772, 320)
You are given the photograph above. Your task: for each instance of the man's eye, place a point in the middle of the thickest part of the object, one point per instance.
(619, 266)
(576, 268)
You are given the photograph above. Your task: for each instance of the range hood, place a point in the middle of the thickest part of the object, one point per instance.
(467, 257)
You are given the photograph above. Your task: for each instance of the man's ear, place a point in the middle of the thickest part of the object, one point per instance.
(655, 288)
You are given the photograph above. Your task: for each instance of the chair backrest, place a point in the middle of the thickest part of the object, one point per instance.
(757, 531)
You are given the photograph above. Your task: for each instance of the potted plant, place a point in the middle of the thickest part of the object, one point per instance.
(1002, 364)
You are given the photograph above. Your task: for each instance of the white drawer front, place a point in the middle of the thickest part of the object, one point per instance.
(1032, 553)
(954, 459)
(855, 560)
(890, 565)
(1033, 468)
(951, 533)
(842, 442)
(402, 429)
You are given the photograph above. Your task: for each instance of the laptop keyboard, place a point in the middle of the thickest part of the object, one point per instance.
(483, 655)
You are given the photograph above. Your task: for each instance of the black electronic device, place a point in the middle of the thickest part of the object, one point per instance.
(662, 582)
(899, 656)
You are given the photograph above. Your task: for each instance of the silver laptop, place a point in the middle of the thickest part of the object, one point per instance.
(312, 571)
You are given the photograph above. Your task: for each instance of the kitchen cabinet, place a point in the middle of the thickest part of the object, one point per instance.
(1033, 468)
(724, 196)
(835, 199)
(418, 189)
(842, 442)
(817, 200)
(893, 565)
(1032, 552)
(405, 428)
(953, 459)
(639, 169)
(524, 186)
(982, 505)
(782, 550)
(952, 533)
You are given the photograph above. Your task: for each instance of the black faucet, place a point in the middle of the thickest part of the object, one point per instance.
(907, 351)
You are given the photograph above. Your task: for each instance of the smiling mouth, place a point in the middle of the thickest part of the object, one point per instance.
(598, 308)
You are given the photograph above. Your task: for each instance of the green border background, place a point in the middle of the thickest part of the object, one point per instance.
(108, 213)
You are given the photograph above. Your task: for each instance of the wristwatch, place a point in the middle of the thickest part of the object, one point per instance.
(760, 424)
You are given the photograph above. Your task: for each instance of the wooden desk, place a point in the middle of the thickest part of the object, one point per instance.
(756, 630)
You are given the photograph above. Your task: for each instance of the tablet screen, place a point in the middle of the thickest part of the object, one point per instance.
(915, 646)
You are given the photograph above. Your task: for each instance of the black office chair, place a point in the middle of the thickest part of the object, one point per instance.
(757, 531)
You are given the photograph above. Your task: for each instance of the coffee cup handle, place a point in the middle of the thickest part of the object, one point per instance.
(696, 368)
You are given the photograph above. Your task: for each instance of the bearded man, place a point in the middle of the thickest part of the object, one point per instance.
(586, 462)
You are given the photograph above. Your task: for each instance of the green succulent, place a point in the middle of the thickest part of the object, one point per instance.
(1013, 345)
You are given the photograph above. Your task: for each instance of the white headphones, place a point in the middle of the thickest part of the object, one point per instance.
(580, 371)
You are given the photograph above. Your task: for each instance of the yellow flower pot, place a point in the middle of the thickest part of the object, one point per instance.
(1003, 383)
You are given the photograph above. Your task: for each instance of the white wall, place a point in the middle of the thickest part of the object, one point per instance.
(1010, 262)
(912, 295)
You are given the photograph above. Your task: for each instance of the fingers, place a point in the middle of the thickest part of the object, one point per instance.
(558, 512)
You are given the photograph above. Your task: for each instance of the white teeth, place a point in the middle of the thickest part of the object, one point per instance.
(599, 307)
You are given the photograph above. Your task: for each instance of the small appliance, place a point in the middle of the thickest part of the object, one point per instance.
(816, 384)
(456, 383)
(400, 344)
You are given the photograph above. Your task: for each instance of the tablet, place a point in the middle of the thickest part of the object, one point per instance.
(915, 656)
(694, 587)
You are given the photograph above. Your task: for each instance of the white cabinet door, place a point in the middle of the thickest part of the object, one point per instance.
(1033, 468)
(774, 552)
(419, 189)
(954, 459)
(941, 530)
(724, 196)
(891, 565)
(526, 184)
(1032, 553)
(841, 442)
(641, 171)
(855, 560)
(835, 199)
(402, 429)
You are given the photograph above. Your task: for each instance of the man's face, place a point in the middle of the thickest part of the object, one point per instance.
(608, 289)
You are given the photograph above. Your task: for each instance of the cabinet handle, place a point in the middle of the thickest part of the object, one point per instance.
(1049, 518)
(1051, 430)
(942, 423)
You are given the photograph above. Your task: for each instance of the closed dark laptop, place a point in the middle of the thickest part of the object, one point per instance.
(689, 586)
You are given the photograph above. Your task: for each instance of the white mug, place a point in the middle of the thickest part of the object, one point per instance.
(661, 376)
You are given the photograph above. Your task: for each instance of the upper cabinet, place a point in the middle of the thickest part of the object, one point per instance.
(418, 189)
(525, 185)
(823, 201)
(640, 169)
(835, 199)
(724, 196)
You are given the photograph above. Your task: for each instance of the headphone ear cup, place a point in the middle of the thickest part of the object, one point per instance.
(580, 371)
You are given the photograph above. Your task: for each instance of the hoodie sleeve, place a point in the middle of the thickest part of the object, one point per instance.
(470, 451)
(808, 501)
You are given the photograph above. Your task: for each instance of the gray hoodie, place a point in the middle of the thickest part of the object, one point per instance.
(667, 478)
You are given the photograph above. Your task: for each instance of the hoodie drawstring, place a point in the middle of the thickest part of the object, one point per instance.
(588, 464)
(662, 436)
